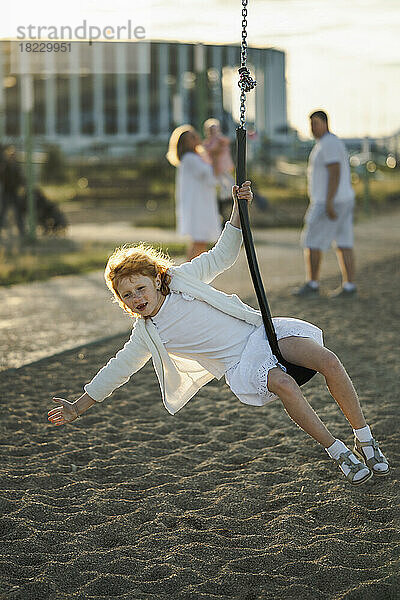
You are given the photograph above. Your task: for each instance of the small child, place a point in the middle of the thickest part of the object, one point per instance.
(218, 148)
(194, 332)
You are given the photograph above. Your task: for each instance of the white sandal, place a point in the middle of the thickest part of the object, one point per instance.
(376, 459)
(354, 468)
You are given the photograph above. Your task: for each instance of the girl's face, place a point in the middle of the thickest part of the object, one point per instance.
(141, 294)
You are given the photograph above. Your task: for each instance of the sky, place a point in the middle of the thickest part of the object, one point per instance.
(341, 55)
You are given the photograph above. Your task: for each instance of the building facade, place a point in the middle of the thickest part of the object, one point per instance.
(98, 95)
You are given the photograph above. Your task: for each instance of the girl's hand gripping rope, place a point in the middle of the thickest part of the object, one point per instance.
(243, 192)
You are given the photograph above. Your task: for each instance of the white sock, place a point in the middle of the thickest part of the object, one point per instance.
(349, 287)
(313, 284)
(336, 449)
(364, 435)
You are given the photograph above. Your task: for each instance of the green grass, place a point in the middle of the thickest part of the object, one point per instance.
(381, 191)
(61, 193)
(47, 259)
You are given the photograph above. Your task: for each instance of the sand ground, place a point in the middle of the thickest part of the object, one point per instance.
(220, 501)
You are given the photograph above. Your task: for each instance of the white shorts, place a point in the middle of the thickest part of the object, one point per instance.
(248, 378)
(320, 231)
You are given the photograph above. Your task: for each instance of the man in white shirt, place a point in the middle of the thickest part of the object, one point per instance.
(329, 217)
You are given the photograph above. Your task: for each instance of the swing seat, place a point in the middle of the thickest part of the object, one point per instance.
(300, 374)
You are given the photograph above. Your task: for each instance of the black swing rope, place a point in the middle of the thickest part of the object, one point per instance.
(300, 374)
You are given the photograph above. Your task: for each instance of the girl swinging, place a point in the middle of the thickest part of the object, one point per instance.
(194, 332)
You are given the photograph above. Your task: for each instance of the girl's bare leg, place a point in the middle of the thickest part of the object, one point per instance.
(297, 406)
(301, 412)
(306, 352)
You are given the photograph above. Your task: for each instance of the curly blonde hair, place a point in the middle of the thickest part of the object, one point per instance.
(139, 259)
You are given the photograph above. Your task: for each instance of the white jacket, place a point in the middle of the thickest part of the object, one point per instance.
(179, 378)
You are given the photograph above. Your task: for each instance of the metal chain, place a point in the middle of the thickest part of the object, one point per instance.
(246, 83)
(243, 50)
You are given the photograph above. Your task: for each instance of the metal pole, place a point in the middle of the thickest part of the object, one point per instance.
(366, 190)
(201, 85)
(27, 105)
(366, 149)
(2, 98)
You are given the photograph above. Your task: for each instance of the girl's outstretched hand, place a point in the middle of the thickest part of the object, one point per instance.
(243, 192)
(66, 413)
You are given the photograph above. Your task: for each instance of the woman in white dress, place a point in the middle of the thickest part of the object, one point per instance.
(193, 333)
(195, 193)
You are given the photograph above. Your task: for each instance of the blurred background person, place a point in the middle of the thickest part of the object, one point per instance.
(11, 180)
(195, 191)
(218, 148)
(329, 217)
